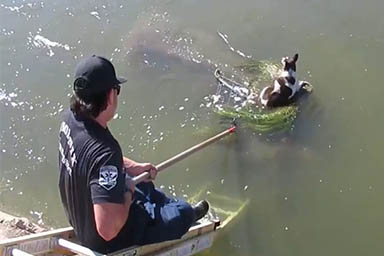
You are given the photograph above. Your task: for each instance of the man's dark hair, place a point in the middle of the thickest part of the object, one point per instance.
(90, 105)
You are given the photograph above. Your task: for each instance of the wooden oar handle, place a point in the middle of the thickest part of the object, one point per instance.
(184, 154)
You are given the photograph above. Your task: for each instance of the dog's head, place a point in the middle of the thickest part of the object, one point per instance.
(289, 64)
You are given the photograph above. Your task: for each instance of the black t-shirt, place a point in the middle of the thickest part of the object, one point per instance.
(91, 172)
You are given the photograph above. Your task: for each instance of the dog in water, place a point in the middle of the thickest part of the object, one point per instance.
(285, 87)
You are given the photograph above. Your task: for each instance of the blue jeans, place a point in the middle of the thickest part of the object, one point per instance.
(153, 218)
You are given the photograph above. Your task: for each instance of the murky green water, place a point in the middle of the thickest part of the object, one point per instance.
(317, 192)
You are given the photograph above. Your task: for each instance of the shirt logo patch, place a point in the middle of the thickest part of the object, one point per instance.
(108, 177)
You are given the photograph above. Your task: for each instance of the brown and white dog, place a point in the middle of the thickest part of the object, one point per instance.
(284, 87)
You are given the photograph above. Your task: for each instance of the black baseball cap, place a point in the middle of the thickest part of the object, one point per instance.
(95, 74)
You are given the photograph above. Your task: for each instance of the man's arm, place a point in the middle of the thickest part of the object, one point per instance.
(111, 193)
(111, 217)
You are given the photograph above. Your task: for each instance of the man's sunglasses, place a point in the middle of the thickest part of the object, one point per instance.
(117, 88)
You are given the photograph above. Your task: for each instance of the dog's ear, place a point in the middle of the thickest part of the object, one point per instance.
(296, 57)
(284, 60)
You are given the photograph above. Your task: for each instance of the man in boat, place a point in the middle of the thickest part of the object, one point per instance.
(107, 211)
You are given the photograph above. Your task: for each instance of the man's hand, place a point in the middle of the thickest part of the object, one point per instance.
(133, 169)
(152, 171)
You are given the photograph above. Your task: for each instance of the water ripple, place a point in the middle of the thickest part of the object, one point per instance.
(40, 41)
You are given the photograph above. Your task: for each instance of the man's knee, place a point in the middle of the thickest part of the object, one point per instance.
(187, 213)
(176, 219)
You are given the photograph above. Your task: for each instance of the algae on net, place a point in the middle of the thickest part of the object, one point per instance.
(279, 119)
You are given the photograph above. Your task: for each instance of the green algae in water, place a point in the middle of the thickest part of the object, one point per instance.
(260, 71)
(279, 119)
(264, 69)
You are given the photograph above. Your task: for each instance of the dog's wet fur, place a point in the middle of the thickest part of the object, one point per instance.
(285, 88)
